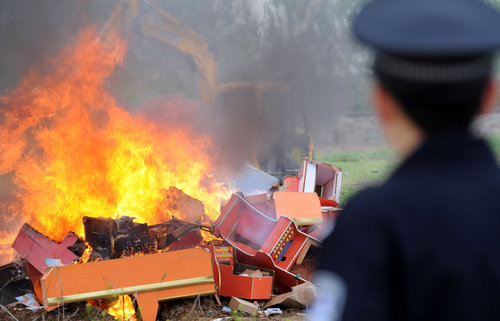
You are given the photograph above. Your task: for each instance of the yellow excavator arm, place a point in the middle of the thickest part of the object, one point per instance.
(175, 34)
(172, 32)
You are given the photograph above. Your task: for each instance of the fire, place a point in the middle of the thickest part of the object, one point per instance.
(122, 309)
(86, 254)
(74, 152)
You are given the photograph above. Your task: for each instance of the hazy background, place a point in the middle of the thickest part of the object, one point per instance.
(306, 44)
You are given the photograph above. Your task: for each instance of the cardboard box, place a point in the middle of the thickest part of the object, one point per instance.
(243, 306)
(300, 297)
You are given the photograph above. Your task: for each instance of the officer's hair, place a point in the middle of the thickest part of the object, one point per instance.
(439, 106)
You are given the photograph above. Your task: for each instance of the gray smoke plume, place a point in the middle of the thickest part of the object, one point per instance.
(305, 45)
(302, 50)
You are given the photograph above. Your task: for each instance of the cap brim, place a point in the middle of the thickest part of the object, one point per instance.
(429, 27)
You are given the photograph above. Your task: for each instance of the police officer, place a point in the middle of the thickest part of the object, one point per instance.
(424, 245)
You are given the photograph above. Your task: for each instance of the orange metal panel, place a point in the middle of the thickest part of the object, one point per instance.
(229, 283)
(298, 205)
(161, 275)
(148, 305)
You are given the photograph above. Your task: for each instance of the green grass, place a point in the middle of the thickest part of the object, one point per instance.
(494, 141)
(367, 168)
(361, 169)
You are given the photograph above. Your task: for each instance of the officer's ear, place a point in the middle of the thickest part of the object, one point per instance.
(490, 96)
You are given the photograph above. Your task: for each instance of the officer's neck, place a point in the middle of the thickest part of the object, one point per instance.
(400, 131)
(404, 136)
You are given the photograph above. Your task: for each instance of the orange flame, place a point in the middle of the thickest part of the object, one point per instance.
(76, 153)
(122, 309)
(85, 257)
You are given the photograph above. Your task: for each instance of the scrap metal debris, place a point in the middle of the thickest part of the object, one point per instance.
(261, 247)
(150, 278)
(239, 280)
(35, 247)
(262, 241)
(13, 283)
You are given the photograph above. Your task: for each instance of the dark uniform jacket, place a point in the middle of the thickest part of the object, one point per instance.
(425, 245)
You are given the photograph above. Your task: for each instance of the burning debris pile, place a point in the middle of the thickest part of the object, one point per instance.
(261, 247)
(73, 152)
(123, 211)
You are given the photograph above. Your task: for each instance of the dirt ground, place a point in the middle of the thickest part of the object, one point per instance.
(182, 310)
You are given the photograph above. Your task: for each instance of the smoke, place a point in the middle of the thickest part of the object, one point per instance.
(306, 46)
(302, 50)
(33, 31)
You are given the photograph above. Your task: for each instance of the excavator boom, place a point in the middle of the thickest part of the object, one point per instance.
(186, 40)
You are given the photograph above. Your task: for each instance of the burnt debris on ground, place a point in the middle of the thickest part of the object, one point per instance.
(256, 259)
